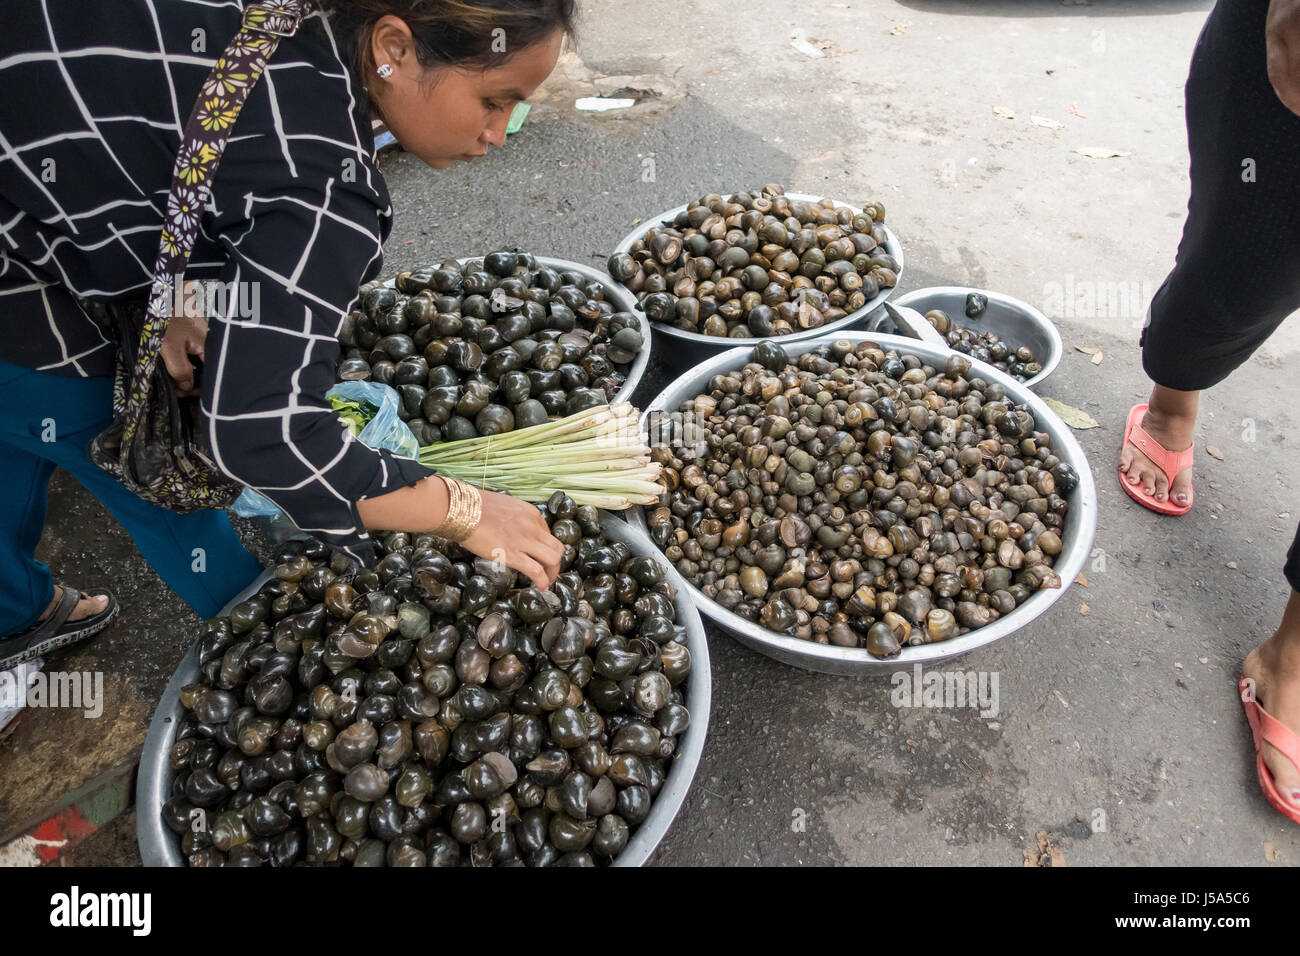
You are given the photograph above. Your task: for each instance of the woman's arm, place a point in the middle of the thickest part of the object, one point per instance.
(272, 428)
(270, 358)
(419, 507)
(511, 532)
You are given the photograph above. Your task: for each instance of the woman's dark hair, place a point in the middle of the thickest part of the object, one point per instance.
(464, 33)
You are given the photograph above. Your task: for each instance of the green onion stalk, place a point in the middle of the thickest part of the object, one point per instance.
(597, 457)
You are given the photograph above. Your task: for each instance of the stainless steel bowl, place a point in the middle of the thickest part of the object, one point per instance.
(160, 847)
(1076, 539)
(677, 349)
(622, 300)
(1017, 322)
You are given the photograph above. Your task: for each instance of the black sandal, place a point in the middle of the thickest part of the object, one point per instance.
(56, 630)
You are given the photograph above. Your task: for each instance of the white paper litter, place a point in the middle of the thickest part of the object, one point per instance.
(602, 104)
(801, 45)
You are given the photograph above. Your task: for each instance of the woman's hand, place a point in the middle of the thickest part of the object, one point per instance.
(1282, 43)
(184, 337)
(509, 531)
(514, 533)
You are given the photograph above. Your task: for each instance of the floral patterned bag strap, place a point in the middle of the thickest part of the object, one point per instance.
(204, 139)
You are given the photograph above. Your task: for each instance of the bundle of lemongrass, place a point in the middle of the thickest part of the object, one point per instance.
(597, 457)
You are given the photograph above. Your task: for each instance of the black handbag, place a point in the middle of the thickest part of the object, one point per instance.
(157, 444)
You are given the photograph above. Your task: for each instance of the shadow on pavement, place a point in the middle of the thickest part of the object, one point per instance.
(571, 186)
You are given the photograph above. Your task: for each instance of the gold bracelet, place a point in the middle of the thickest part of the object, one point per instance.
(464, 510)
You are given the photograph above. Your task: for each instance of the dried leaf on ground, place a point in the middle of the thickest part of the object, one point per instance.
(1214, 452)
(1084, 609)
(1099, 152)
(827, 47)
(1045, 854)
(1005, 112)
(1080, 578)
(1074, 417)
(1097, 357)
(1046, 123)
(1087, 349)
(898, 29)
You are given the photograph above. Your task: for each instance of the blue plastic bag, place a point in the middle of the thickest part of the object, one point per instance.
(386, 430)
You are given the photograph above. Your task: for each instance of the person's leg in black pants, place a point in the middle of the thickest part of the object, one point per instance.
(1238, 269)
(1237, 277)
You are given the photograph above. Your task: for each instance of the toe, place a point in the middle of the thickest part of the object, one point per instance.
(1148, 476)
(1161, 484)
(89, 607)
(1134, 473)
(1180, 492)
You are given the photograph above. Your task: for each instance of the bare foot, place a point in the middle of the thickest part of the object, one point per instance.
(86, 607)
(1274, 666)
(1170, 420)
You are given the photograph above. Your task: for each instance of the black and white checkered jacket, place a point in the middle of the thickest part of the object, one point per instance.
(93, 98)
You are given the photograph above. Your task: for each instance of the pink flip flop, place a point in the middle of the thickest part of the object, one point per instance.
(1170, 462)
(1265, 728)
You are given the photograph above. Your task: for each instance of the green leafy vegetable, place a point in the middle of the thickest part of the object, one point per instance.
(356, 415)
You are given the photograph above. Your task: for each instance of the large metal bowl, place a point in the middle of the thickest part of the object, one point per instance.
(1017, 322)
(1076, 539)
(160, 847)
(677, 349)
(622, 300)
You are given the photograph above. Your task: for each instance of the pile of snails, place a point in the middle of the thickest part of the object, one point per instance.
(986, 346)
(433, 711)
(860, 497)
(758, 264)
(489, 345)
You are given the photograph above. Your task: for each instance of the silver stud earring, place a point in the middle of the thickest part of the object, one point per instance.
(385, 70)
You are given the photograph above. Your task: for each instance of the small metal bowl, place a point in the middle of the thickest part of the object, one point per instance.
(677, 349)
(1076, 537)
(1017, 322)
(622, 300)
(159, 846)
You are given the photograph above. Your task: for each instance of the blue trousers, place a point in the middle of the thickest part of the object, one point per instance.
(48, 421)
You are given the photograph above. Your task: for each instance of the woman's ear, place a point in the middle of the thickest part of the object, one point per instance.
(391, 43)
